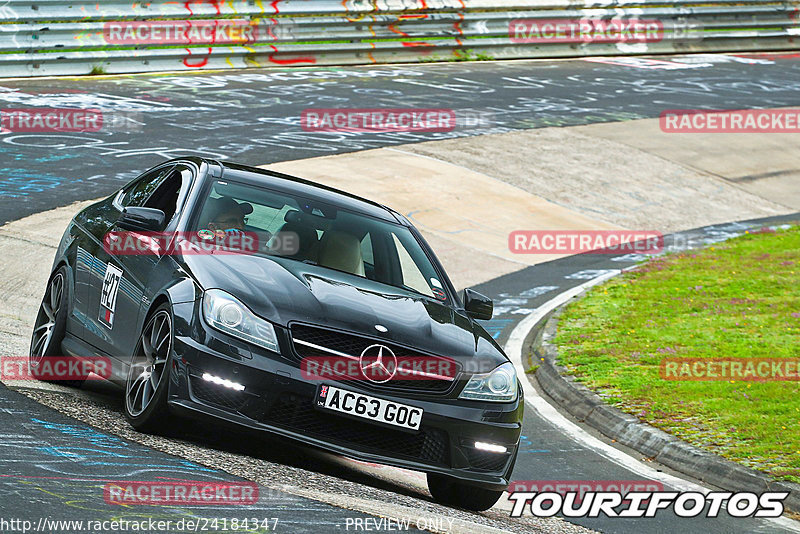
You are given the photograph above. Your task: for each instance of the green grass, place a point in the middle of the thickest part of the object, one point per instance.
(457, 55)
(737, 299)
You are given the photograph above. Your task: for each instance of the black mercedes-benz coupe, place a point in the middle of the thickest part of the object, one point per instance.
(334, 325)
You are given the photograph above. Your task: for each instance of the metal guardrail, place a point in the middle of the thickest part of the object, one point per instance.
(57, 37)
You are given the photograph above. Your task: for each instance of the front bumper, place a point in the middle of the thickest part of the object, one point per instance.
(278, 399)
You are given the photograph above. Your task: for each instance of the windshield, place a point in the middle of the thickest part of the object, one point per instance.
(296, 228)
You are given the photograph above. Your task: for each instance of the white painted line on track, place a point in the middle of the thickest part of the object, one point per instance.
(514, 349)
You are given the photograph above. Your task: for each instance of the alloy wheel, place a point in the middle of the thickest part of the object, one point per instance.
(149, 365)
(43, 331)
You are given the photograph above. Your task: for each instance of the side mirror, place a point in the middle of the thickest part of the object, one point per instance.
(143, 219)
(478, 306)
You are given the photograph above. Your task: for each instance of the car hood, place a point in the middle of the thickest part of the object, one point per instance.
(283, 291)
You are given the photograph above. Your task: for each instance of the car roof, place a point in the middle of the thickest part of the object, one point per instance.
(306, 188)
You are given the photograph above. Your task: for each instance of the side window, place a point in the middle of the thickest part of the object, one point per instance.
(167, 192)
(140, 190)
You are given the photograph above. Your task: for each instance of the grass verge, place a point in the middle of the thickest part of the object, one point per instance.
(739, 299)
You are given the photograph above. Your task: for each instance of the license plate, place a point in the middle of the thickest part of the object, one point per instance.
(367, 407)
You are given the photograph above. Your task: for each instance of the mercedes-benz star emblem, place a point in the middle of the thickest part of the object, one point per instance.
(378, 363)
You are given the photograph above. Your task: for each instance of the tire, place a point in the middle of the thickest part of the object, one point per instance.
(51, 326)
(147, 382)
(451, 492)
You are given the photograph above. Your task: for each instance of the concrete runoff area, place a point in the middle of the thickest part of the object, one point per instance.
(762, 164)
(593, 171)
(27, 247)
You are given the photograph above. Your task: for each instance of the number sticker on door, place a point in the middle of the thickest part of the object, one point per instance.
(108, 295)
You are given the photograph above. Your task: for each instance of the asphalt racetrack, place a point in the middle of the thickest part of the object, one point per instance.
(56, 461)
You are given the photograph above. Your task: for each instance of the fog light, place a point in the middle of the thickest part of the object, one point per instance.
(222, 382)
(489, 447)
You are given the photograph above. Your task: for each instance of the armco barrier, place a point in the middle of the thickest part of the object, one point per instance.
(57, 37)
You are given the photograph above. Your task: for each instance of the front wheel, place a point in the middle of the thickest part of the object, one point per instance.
(148, 376)
(451, 492)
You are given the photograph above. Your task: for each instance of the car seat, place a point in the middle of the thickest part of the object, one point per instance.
(342, 251)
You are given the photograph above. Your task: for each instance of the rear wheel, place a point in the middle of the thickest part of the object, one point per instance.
(452, 492)
(148, 376)
(50, 327)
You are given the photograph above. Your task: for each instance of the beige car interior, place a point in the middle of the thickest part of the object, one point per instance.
(342, 251)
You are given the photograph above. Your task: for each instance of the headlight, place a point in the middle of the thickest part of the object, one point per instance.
(498, 386)
(225, 313)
